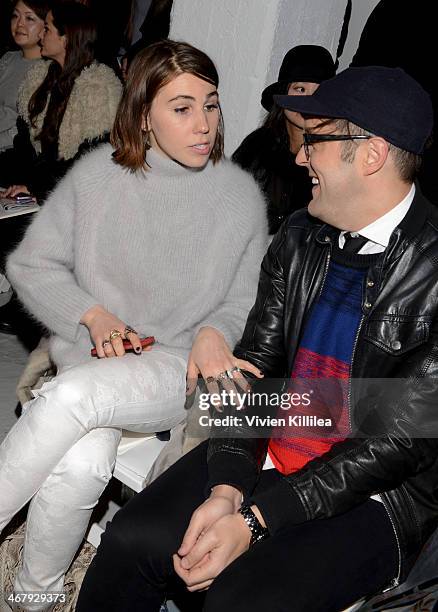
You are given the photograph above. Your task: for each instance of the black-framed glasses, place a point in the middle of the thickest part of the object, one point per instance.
(311, 139)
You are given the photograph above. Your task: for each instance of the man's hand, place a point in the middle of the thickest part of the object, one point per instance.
(219, 546)
(224, 499)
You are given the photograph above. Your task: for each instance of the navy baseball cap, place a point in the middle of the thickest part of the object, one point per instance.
(384, 101)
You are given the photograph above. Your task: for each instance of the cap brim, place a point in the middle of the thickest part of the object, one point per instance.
(307, 105)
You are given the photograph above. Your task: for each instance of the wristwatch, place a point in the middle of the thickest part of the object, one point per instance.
(258, 532)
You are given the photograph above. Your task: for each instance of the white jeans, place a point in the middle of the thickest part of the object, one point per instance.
(62, 451)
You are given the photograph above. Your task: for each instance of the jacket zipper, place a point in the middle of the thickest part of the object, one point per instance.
(351, 372)
(327, 263)
(395, 581)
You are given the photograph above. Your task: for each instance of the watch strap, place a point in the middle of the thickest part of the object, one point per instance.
(258, 532)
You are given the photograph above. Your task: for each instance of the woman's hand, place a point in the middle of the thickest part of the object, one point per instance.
(212, 358)
(103, 327)
(14, 190)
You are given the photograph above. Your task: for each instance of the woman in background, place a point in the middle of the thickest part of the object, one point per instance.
(27, 27)
(269, 152)
(66, 105)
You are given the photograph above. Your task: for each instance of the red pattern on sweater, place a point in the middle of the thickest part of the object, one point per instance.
(326, 379)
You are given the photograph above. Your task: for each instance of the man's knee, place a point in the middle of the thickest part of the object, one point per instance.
(232, 590)
(142, 534)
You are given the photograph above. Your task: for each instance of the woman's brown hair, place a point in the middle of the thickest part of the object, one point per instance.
(150, 70)
(75, 21)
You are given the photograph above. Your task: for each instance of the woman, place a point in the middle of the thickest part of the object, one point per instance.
(158, 234)
(66, 105)
(27, 26)
(269, 152)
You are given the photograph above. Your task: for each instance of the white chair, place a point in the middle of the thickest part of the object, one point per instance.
(135, 457)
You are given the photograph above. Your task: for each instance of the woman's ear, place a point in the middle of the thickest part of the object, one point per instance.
(145, 123)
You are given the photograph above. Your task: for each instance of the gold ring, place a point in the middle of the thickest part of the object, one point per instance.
(115, 333)
(210, 379)
(128, 330)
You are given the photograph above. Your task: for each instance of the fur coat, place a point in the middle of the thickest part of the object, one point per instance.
(90, 111)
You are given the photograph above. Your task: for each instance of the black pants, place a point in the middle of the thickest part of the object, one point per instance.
(323, 565)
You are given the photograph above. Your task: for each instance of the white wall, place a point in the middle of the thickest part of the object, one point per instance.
(247, 40)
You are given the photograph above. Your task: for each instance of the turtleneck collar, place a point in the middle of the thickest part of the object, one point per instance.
(165, 166)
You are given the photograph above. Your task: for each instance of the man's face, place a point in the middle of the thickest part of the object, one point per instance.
(336, 183)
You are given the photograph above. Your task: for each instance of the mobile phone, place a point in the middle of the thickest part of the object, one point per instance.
(128, 346)
(23, 198)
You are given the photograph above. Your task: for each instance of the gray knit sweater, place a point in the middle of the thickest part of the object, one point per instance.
(13, 69)
(167, 251)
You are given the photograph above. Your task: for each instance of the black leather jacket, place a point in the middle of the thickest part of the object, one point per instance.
(397, 338)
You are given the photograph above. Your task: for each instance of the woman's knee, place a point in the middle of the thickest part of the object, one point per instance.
(65, 396)
(90, 462)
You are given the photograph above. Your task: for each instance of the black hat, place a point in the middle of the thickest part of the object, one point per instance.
(308, 63)
(384, 101)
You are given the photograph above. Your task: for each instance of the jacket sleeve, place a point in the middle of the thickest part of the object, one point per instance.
(396, 446)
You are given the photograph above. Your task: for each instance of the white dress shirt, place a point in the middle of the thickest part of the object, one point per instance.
(379, 231)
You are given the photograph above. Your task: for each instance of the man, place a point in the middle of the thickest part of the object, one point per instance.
(339, 516)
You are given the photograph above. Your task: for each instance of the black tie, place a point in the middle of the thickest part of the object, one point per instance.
(353, 244)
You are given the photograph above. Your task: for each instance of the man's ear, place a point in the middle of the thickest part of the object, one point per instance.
(377, 150)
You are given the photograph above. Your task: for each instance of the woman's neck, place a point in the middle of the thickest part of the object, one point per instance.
(161, 164)
(32, 53)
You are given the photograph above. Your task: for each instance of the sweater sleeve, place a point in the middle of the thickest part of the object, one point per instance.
(250, 226)
(231, 315)
(8, 118)
(41, 269)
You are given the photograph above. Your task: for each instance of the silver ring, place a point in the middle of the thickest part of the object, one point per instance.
(105, 344)
(223, 375)
(235, 369)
